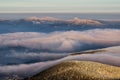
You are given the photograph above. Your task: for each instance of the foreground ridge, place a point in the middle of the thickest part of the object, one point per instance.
(79, 70)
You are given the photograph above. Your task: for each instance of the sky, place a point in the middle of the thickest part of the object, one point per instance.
(63, 6)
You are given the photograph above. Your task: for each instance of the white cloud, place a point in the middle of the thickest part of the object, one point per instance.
(108, 56)
(62, 41)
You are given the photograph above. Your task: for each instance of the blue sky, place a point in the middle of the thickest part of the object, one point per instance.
(73, 6)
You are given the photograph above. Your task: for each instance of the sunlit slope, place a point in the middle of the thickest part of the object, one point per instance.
(79, 70)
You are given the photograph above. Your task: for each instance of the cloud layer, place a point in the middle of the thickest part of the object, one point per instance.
(31, 46)
(109, 56)
(22, 48)
(62, 41)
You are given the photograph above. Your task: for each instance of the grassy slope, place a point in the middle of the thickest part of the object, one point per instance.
(79, 70)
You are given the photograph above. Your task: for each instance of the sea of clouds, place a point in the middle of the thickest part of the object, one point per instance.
(29, 47)
(26, 53)
(110, 56)
(62, 41)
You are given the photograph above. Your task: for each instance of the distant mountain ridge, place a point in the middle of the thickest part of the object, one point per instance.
(42, 19)
(74, 20)
(50, 24)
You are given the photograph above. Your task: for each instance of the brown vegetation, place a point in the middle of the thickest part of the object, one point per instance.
(79, 70)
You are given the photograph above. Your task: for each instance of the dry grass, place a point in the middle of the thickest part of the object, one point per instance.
(79, 70)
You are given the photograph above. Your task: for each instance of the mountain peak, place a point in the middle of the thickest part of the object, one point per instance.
(77, 20)
(41, 19)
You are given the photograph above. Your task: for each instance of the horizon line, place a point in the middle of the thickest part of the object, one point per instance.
(60, 12)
